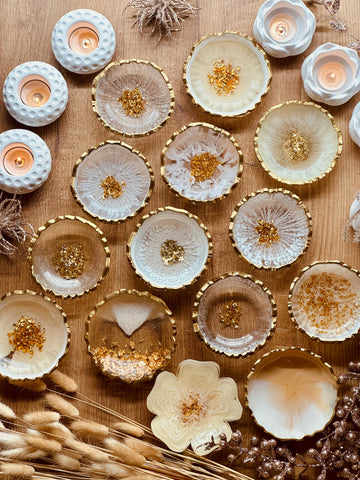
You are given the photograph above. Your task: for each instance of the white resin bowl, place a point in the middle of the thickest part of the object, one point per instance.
(354, 125)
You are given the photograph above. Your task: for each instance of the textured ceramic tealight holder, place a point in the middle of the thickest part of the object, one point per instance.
(354, 125)
(83, 41)
(35, 94)
(331, 74)
(284, 28)
(25, 161)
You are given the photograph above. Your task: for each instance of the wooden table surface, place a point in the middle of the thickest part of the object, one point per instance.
(25, 35)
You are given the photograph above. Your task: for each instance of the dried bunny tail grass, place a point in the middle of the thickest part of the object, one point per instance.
(150, 452)
(6, 412)
(128, 428)
(12, 225)
(57, 430)
(41, 417)
(16, 470)
(23, 453)
(61, 405)
(49, 446)
(86, 429)
(66, 462)
(111, 469)
(93, 453)
(12, 440)
(124, 453)
(63, 381)
(36, 385)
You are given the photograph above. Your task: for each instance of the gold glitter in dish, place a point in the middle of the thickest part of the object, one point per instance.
(296, 147)
(268, 233)
(231, 314)
(70, 261)
(27, 335)
(171, 252)
(192, 409)
(132, 102)
(203, 166)
(112, 188)
(225, 78)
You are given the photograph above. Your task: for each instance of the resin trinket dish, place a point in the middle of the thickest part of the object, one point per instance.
(292, 393)
(234, 314)
(132, 97)
(298, 142)
(169, 248)
(35, 335)
(271, 229)
(69, 256)
(112, 181)
(201, 162)
(130, 335)
(324, 301)
(83, 41)
(354, 125)
(239, 60)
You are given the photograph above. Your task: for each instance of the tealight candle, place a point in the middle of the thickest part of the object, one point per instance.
(282, 27)
(332, 75)
(17, 159)
(83, 38)
(34, 91)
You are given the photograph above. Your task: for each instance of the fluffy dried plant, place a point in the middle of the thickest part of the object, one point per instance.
(13, 228)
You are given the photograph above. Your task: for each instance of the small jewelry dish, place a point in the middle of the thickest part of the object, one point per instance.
(331, 74)
(234, 314)
(298, 142)
(227, 74)
(271, 229)
(132, 97)
(35, 335)
(354, 125)
(169, 248)
(324, 301)
(112, 181)
(284, 28)
(83, 41)
(292, 393)
(130, 335)
(201, 162)
(69, 256)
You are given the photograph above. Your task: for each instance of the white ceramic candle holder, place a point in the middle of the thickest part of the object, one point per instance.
(83, 41)
(284, 27)
(35, 93)
(331, 74)
(25, 161)
(354, 125)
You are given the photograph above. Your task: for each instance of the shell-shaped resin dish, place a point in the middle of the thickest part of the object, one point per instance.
(131, 335)
(69, 256)
(324, 301)
(292, 393)
(354, 125)
(234, 314)
(271, 229)
(132, 97)
(242, 61)
(112, 181)
(201, 162)
(169, 248)
(298, 142)
(47, 335)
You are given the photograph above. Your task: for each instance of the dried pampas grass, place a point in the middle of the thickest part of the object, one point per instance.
(12, 226)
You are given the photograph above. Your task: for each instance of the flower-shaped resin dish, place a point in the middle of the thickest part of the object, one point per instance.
(271, 228)
(35, 335)
(130, 335)
(354, 125)
(202, 162)
(194, 406)
(292, 393)
(298, 142)
(112, 181)
(170, 248)
(69, 256)
(132, 97)
(324, 301)
(227, 74)
(234, 314)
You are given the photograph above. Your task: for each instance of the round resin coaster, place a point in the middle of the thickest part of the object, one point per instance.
(271, 228)
(69, 256)
(324, 301)
(170, 248)
(34, 337)
(132, 97)
(292, 393)
(131, 335)
(227, 74)
(112, 181)
(298, 142)
(234, 314)
(201, 162)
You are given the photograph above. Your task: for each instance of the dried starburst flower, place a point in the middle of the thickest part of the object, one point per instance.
(12, 226)
(27, 335)
(225, 78)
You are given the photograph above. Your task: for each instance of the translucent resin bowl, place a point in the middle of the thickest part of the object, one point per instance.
(324, 301)
(271, 228)
(234, 314)
(240, 60)
(112, 181)
(130, 335)
(202, 162)
(292, 393)
(37, 327)
(69, 256)
(298, 142)
(169, 248)
(127, 81)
